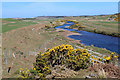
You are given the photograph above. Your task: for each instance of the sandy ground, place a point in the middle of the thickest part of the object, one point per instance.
(68, 33)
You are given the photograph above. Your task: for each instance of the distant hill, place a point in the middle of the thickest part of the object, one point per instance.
(44, 17)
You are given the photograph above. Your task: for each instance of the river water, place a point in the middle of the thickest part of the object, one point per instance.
(98, 40)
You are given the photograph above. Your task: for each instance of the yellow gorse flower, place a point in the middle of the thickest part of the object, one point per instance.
(75, 57)
(95, 58)
(91, 60)
(108, 58)
(34, 68)
(92, 57)
(112, 53)
(104, 57)
(21, 69)
(27, 70)
(115, 57)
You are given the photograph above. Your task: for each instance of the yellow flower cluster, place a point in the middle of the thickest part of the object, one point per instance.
(60, 55)
(63, 21)
(79, 59)
(105, 59)
(73, 21)
(24, 73)
(110, 58)
(66, 54)
(95, 58)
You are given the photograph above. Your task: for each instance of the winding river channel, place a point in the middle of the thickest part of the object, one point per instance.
(98, 40)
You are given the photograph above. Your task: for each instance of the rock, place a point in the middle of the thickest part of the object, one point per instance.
(87, 77)
(92, 75)
(33, 29)
(49, 76)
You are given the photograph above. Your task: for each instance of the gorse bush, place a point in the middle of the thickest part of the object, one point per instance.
(62, 55)
(78, 59)
(41, 66)
(74, 59)
(24, 73)
(112, 58)
(76, 22)
(73, 26)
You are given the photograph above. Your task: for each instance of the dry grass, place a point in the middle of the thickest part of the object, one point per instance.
(16, 64)
(100, 23)
(24, 40)
(101, 74)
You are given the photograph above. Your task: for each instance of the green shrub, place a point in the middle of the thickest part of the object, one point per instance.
(59, 55)
(63, 55)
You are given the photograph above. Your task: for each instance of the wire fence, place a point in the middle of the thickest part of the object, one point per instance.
(93, 58)
(10, 54)
(6, 55)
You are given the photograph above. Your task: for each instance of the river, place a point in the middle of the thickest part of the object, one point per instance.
(98, 40)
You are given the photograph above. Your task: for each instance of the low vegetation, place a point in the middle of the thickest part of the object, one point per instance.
(10, 24)
(55, 62)
(103, 24)
(62, 55)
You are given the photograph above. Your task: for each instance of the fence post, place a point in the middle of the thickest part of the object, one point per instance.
(14, 55)
(9, 53)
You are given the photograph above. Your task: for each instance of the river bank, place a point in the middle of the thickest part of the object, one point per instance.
(66, 33)
(98, 40)
(98, 24)
(102, 32)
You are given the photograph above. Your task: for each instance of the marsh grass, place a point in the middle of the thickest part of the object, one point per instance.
(10, 24)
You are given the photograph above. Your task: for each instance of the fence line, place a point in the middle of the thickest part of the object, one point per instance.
(44, 47)
(92, 60)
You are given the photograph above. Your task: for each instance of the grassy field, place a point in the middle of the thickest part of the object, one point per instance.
(30, 36)
(10, 24)
(99, 24)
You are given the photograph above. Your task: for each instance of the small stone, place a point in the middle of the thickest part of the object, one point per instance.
(92, 75)
(49, 76)
(86, 77)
